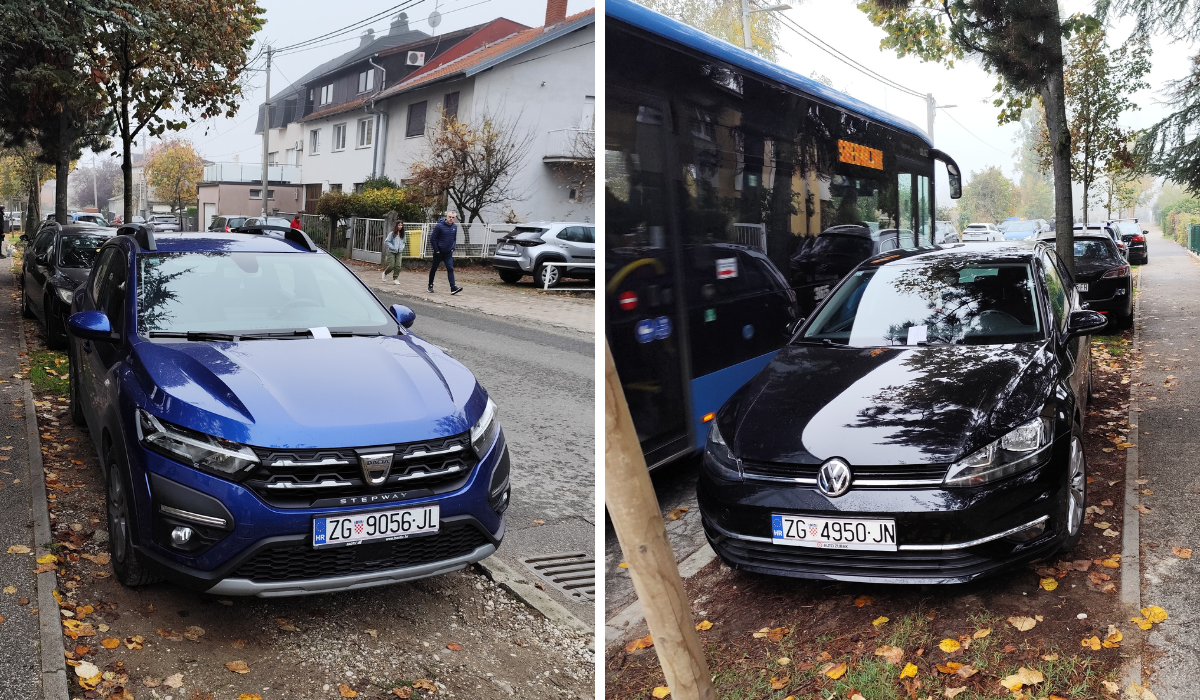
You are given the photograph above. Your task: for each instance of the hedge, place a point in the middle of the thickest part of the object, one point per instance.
(373, 204)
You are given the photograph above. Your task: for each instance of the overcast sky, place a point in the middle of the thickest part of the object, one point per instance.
(292, 21)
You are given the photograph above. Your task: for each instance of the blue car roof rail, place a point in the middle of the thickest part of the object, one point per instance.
(294, 235)
(141, 233)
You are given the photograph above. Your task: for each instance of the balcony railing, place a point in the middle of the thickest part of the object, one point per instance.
(570, 146)
(250, 172)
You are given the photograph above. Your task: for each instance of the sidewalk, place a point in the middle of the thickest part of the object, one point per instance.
(483, 292)
(1169, 440)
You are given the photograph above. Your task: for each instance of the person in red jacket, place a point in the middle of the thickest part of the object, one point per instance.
(296, 222)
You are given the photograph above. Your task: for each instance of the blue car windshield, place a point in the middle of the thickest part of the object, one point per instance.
(234, 292)
(936, 302)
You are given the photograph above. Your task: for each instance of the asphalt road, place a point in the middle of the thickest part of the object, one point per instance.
(544, 385)
(1169, 395)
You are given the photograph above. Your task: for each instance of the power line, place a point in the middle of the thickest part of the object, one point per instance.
(349, 28)
(973, 134)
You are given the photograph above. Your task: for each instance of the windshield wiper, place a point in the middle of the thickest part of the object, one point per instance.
(194, 335)
(270, 336)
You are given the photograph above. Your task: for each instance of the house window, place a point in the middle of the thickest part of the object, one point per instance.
(256, 193)
(358, 188)
(450, 106)
(416, 120)
(366, 81)
(327, 94)
(272, 157)
(364, 132)
(314, 141)
(339, 137)
(335, 188)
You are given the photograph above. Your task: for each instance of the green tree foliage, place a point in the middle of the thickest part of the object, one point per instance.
(372, 204)
(988, 197)
(723, 19)
(379, 182)
(1019, 41)
(22, 174)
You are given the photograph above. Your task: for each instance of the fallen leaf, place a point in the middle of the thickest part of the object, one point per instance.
(980, 634)
(1103, 525)
(1048, 583)
(18, 549)
(134, 642)
(783, 661)
(948, 668)
(863, 601)
(1154, 614)
(47, 559)
(1107, 502)
(1147, 492)
(101, 559)
(661, 692)
(151, 681)
(890, 654)
(285, 624)
(249, 696)
(543, 522)
(1111, 532)
(771, 635)
(1113, 638)
(454, 646)
(1023, 624)
(703, 625)
(835, 671)
(677, 513)
(110, 643)
(1141, 509)
(780, 683)
(13, 589)
(1141, 622)
(949, 645)
(1110, 686)
(952, 692)
(1092, 643)
(176, 680)
(81, 650)
(404, 691)
(1181, 552)
(170, 635)
(623, 565)
(238, 667)
(1136, 691)
(1023, 676)
(966, 672)
(910, 671)
(346, 691)
(879, 621)
(424, 684)
(640, 643)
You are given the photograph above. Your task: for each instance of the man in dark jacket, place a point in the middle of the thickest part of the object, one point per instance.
(441, 241)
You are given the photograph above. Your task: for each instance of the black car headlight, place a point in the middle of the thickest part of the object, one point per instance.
(205, 452)
(483, 433)
(65, 294)
(1021, 448)
(719, 457)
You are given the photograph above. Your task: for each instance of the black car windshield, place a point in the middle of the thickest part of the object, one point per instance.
(933, 302)
(79, 251)
(1128, 228)
(230, 292)
(1099, 250)
(857, 247)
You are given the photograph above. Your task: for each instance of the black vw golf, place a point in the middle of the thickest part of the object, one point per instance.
(922, 426)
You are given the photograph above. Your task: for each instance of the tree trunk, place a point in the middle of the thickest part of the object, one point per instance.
(33, 209)
(1055, 103)
(126, 143)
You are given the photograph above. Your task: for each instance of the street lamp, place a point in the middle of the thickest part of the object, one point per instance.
(746, 12)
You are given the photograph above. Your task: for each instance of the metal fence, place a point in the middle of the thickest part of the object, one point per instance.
(1194, 238)
(752, 235)
(366, 236)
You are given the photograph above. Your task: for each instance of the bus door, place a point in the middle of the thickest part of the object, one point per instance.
(644, 329)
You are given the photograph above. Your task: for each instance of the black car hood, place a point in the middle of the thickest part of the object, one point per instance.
(73, 276)
(886, 406)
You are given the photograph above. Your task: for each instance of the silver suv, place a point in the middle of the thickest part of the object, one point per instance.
(529, 247)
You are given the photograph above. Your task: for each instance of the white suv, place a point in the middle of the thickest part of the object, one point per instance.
(529, 247)
(981, 232)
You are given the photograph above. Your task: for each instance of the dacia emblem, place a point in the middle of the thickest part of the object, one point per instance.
(375, 467)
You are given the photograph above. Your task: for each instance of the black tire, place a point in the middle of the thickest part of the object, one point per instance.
(73, 403)
(26, 309)
(1123, 322)
(510, 276)
(56, 330)
(131, 570)
(1075, 502)
(542, 272)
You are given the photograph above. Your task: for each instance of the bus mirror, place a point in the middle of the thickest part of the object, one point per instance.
(955, 180)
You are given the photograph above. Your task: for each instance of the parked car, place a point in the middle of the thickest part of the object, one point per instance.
(164, 223)
(226, 223)
(945, 233)
(1106, 230)
(1102, 276)
(1134, 238)
(981, 232)
(81, 218)
(234, 469)
(822, 261)
(119, 219)
(1020, 230)
(60, 258)
(826, 465)
(527, 249)
(266, 221)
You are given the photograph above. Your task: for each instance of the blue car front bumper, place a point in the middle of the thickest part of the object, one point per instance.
(268, 551)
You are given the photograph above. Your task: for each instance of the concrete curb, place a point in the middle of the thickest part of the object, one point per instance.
(1131, 565)
(617, 627)
(519, 585)
(55, 685)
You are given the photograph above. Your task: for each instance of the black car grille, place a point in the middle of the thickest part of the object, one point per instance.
(905, 474)
(812, 561)
(300, 562)
(298, 479)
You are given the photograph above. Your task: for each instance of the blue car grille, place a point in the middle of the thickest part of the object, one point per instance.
(308, 478)
(300, 562)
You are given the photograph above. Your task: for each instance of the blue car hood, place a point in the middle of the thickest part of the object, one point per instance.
(339, 392)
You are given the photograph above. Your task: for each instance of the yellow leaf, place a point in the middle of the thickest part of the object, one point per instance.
(1181, 552)
(780, 683)
(623, 565)
(1022, 677)
(10, 589)
(677, 513)
(966, 672)
(640, 643)
(1154, 613)
(836, 671)
(47, 559)
(237, 666)
(771, 635)
(18, 549)
(1049, 583)
(424, 684)
(1049, 657)
(948, 667)
(863, 601)
(346, 691)
(953, 692)
(1141, 622)
(703, 625)
(879, 621)
(110, 643)
(949, 645)
(1092, 643)
(980, 634)
(910, 671)
(249, 696)
(661, 692)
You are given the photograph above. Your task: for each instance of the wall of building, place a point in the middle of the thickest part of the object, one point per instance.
(346, 166)
(234, 198)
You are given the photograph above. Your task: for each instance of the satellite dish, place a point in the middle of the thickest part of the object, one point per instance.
(435, 18)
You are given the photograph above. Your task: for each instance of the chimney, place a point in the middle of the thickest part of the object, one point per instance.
(367, 37)
(399, 25)
(556, 11)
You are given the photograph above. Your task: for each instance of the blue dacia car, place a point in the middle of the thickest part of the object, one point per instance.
(266, 427)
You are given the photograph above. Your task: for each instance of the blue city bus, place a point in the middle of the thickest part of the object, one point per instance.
(721, 168)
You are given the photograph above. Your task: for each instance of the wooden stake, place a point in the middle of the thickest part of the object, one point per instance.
(636, 517)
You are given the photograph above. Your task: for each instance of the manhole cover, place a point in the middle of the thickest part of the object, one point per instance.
(573, 573)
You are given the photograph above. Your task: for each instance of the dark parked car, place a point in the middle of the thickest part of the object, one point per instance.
(822, 261)
(233, 468)
(1105, 230)
(59, 260)
(1134, 238)
(225, 223)
(1102, 278)
(923, 426)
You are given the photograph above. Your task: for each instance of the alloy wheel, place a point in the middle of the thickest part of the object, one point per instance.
(550, 275)
(118, 514)
(1076, 485)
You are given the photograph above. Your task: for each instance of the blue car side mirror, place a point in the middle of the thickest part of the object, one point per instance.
(404, 315)
(90, 325)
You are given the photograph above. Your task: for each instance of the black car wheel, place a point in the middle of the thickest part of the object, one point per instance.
(547, 275)
(129, 567)
(510, 276)
(56, 330)
(1123, 321)
(26, 309)
(1076, 496)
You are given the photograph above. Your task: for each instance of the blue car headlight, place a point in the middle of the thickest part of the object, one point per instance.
(483, 433)
(719, 457)
(1019, 449)
(205, 452)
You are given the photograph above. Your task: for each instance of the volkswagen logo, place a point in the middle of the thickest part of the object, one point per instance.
(834, 477)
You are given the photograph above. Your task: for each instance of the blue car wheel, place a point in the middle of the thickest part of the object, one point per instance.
(126, 563)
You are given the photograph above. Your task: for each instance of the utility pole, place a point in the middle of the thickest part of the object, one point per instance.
(95, 197)
(266, 135)
(746, 12)
(931, 107)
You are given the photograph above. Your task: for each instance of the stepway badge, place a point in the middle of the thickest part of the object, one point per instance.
(726, 268)
(644, 330)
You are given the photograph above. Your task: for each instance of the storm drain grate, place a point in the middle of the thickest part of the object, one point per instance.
(573, 573)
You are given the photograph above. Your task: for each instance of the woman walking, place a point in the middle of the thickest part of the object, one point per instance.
(392, 245)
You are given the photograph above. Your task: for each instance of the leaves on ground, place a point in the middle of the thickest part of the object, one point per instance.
(771, 635)
(18, 549)
(953, 692)
(134, 642)
(238, 667)
(780, 683)
(176, 680)
(949, 645)
(1181, 552)
(1023, 677)
(834, 671)
(1154, 614)
(863, 601)
(980, 634)
(703, 625)
(640, 643)
(346, 691)
(1092, 643)
(879, 621)
(249, 696)
(1049, 583)
(890, 654)
(677, 513)
(1141, 509)
(910, 671)
(424, 684)
(661, 692)
(454, 646)
(110, 643)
